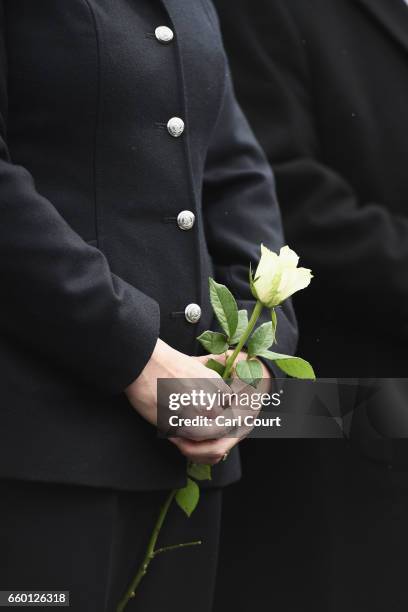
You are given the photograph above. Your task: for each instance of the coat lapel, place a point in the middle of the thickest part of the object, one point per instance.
(392, 15)
(167, 7)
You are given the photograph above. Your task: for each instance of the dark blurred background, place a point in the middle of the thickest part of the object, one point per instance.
(320, 525)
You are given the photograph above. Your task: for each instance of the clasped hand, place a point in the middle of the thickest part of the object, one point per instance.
(206, 445)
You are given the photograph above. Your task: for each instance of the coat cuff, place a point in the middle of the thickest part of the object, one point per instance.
(125, 351)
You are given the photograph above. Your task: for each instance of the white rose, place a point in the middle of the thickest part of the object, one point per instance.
(277, 277)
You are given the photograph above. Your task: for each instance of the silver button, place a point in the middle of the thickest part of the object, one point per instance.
(193, 313)
(164, 35)
(185, 220)
(175, 126)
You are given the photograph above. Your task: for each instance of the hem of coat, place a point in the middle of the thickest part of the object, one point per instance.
(224, 475)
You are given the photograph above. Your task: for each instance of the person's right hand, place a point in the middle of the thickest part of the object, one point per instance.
(167, 362)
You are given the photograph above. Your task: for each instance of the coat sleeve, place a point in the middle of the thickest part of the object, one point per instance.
(356, 248)
(241, 210)
(59, 297)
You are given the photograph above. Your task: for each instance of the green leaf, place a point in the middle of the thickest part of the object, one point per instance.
(250, 371)
(225, 307)
(293, 366)
(241, 327)
(261, 339)
(199, 471)
(214, 342)
(297, 368)
(252, 282)
(218, 367)
(274, 323)
(187, 498)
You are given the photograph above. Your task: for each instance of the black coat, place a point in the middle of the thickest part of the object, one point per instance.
(324, 84)
(92, 261)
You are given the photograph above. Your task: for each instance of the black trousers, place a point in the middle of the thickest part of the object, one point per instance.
(90, 542)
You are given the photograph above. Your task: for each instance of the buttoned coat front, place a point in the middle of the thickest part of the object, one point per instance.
(94, 265)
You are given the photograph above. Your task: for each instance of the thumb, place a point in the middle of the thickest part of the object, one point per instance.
(204, 358)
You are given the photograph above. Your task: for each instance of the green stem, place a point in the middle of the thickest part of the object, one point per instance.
(251, 324)
(149, 555)
(176, 546)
